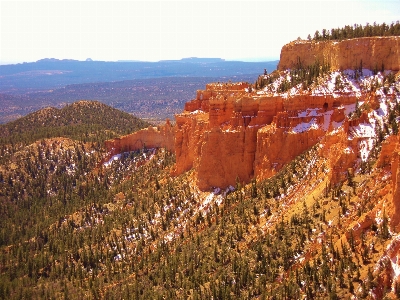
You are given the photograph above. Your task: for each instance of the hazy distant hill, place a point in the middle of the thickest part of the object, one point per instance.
(52, 73)
(151, 98)
(155, 90)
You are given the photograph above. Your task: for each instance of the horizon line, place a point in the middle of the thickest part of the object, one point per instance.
(250, 59)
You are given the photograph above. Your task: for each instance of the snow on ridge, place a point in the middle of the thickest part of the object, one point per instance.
(349, 108)
(310, 112)
(315, 112)
(382, 110)
(327, 119)
(396, 267)
(334, 83)
(145, 155)
(336, 125)
(114, 157)
(363, 130)
(197, 111)
(348, 150)
(305, 126)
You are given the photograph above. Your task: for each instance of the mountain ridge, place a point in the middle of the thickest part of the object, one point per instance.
(60, 73)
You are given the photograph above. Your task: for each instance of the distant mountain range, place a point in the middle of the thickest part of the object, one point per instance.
(154, 90)
(52, 73)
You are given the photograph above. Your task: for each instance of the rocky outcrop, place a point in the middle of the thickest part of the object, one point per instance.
(151, 137)
(228, 134)
(395, 217)
(189, 130)
(226, 157)
(388, 150)
(369, 52)
(277, 145)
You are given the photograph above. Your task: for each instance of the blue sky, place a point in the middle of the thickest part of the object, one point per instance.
(157, 30)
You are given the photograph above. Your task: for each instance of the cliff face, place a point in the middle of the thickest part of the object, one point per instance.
(225, 156)
(152, 137)
(213, 136)
(230, 133)
(395, 217)
(372, 52)
(277, 146)
(188, 134)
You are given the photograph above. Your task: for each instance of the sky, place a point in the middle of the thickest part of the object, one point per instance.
(161, 30)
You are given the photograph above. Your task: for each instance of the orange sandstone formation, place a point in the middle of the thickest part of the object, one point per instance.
(229, 133)
(368, 52)
(277, 145)
(395, 217)
(152, 137)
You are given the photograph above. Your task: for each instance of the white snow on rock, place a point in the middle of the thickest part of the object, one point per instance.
(348, 150)
(327, 120)
(395, 266)
(305, 126)
(309, 112)
(363, 130)
(114, 157)
(196, 112)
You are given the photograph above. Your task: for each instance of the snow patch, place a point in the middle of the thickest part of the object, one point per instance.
(395, 266)
(110, 161)
(197, 111)
(348, 150)
(363, 130)
(305, 126)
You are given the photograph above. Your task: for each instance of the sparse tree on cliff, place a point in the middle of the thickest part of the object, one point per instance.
(324, 35)
(356, 31)
(317, 35)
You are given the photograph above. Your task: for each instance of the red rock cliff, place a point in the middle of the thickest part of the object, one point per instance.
(228, 134)
(395, 217)
(347, 54)
(152, 137)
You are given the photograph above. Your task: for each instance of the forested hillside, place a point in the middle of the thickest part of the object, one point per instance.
(77, 226)
(316, 216)
(82, 120)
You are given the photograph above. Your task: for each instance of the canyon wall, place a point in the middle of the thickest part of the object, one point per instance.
(226, 157)
(277, 146)
(371, 52)
(230, 133)
(151, 137)
(395, 217)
